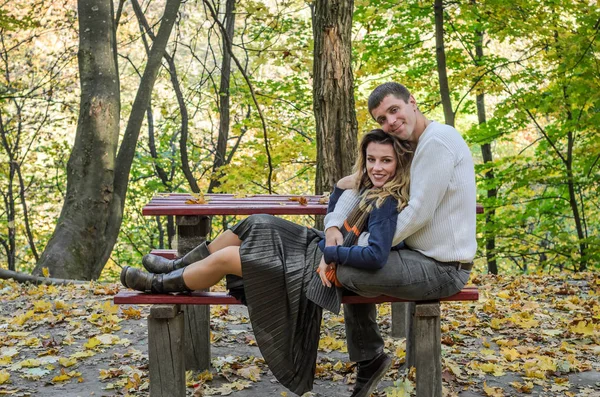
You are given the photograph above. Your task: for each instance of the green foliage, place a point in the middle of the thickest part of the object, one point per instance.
(539, 75)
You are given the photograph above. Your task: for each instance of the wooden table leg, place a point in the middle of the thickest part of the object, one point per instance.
(410, 335)
(165, 351)
(428, 349)
(191, 232)
(401, 315)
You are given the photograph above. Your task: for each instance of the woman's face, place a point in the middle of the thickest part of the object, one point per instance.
(381, 163)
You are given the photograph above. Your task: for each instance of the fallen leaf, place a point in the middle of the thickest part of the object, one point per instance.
(4, 377)
(300, 199)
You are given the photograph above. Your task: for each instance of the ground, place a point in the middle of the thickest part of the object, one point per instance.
(535, 335)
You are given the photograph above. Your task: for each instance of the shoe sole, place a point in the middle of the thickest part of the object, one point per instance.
(371, 385)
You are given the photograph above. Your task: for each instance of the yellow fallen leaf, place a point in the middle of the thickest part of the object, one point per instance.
(327, 344)
(67, 362)
(108, 307)
(91, 343)
(252, 372)
(205, 376)
(30, 363)
(489, 306)
(492, 391)
(492, 368)
(526, 387)
(45, 272)
(20, 320)
(4, 377)
(510, 354)
(132, 313)
(496, 323)
(61, 378)
(583, 328)
(83, 354)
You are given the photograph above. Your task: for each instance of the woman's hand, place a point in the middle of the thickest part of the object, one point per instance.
(323, 269)
(333, 236)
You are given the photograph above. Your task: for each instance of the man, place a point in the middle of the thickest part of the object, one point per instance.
(437, 227)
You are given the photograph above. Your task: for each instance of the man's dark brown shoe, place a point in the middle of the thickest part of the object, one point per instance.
(369, 374)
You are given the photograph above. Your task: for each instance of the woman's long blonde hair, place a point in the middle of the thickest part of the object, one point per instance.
(399, 186)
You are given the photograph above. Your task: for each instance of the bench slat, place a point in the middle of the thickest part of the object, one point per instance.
(222, 298)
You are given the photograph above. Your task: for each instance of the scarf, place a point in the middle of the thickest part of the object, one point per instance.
(353, 226)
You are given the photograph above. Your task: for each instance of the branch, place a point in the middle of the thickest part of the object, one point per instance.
(28, 278)
(243, 72)
(185, 165)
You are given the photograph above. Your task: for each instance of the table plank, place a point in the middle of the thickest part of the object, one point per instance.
(228, 204)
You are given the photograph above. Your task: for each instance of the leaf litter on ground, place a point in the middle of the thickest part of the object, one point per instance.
(528, 334)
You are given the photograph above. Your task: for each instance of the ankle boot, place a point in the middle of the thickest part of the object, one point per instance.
(149, 282)
(158, 264)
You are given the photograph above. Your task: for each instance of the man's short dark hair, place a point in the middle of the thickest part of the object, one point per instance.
(385, 89)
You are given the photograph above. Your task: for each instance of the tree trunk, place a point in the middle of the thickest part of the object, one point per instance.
(333, 92)
(220, 153)
(486, 153)
(91, 216)
(440, 57)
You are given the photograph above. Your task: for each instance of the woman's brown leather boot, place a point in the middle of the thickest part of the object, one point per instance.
(140, 280)
(158, 264)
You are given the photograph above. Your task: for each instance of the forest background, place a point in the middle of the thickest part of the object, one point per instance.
(519, 79)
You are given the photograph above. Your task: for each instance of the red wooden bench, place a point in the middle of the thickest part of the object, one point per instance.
(166, 336)
(179, 325)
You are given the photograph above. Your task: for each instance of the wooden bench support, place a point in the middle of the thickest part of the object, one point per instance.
(399, 317)
(165, 351)
(411, 352)
(197, 337)
(428, 349)
(191, 232)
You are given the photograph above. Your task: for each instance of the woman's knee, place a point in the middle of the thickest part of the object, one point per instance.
(230, 260)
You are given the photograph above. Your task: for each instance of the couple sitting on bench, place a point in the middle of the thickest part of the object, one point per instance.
(381, 238)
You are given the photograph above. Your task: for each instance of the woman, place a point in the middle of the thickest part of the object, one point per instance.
(277, 259)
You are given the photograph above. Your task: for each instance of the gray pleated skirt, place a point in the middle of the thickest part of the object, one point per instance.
(279, 259)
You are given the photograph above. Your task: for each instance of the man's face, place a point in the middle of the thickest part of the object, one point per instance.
(397, 117)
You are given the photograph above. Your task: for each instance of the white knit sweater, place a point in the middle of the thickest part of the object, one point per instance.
(439, 220)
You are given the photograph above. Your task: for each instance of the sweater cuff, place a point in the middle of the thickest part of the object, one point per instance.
(334, 219)
(330, 254)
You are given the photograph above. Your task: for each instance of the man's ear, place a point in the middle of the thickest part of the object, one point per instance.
(412, 100)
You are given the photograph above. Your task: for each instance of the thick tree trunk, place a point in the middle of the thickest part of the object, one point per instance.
(79, 239)
(333, 92)
(440, 56)
(220, 153)
(96, 184)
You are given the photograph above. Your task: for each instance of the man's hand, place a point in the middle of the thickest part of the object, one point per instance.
(333, 236)
(347, 182)
(323, 269)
